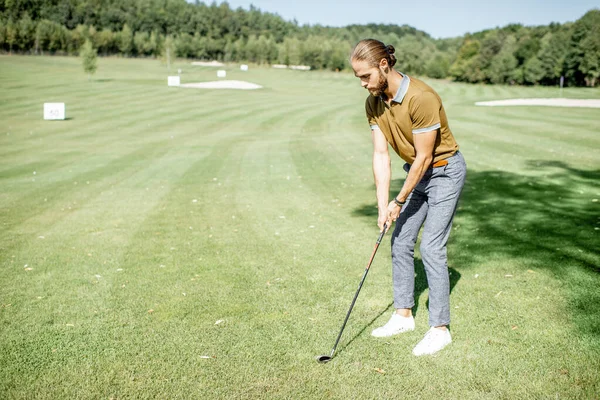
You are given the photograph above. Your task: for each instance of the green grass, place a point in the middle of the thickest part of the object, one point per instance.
(130, 229)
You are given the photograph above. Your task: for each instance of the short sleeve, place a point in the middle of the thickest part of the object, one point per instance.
(425, 112)
(370, 115)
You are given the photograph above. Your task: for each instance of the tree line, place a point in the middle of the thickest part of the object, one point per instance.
(514, 54)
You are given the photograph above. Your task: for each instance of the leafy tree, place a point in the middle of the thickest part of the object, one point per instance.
(126, 40)
(140, 42)
(199, 47)
(229, 54)
(475, 72)
(503, 65)
(290, 51)
(239, 50)
(106, 41)
(11, 35)
(527, 47)
(438, 66)
(412, 53)
(270, 50)
(590, 62)
(554, 47)
(310, 53)
(253, 49)
(338, 58)
(533, 71)
(58, 37)
(168, 51)
(41, 34)
(584, 52)
(449, 46)
(78, 37)
(153, 45)
(465, 59)
(26, 32)
(44, 34)
(92, 34)
(88, 58)
(491, 45)
(518, 76)
(183, 45)
(2, 34)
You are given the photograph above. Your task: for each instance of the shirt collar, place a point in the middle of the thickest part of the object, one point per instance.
(401, 93)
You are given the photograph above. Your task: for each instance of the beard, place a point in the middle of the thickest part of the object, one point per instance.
(382, 85)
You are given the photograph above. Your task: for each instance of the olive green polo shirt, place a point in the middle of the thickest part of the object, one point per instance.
(416, 108)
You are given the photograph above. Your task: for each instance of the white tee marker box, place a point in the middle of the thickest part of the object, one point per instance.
(54, 111)
(221, 73)
(244, 67)
(173, 80)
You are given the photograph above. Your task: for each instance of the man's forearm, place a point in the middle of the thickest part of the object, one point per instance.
(417, 170)
(382, 172)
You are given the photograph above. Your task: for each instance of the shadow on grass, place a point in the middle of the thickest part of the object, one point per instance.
(420, 286)
(383, 311)
(549, 220)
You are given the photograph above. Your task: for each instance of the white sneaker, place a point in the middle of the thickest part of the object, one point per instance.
(397, 324)
(435, 339)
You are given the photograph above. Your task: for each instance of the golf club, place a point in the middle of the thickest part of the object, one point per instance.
(326, 358)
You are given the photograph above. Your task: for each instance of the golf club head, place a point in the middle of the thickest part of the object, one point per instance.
(323, 359)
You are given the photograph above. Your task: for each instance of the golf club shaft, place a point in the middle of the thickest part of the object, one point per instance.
(359, 287)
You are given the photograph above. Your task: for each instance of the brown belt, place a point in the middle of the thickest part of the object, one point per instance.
(440, 163)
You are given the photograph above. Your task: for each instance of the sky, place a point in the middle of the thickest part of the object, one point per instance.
(439, 18)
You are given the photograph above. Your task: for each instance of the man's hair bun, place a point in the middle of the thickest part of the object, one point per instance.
(392, 59)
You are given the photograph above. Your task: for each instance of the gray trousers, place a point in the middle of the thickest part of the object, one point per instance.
(432, 203)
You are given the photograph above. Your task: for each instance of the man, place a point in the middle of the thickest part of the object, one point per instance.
(407, 114)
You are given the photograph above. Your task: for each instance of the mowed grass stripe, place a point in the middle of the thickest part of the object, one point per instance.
(325, 155)
(83, 225)
(70, 94)
(554, 137)
(56, 200)
(300, 220)
(106, 125)
(263, 137)
(202, 167)
(538, 122)
(143, 127)
(165, 223)
(152, 131)
(518, 145)
(92, 173)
